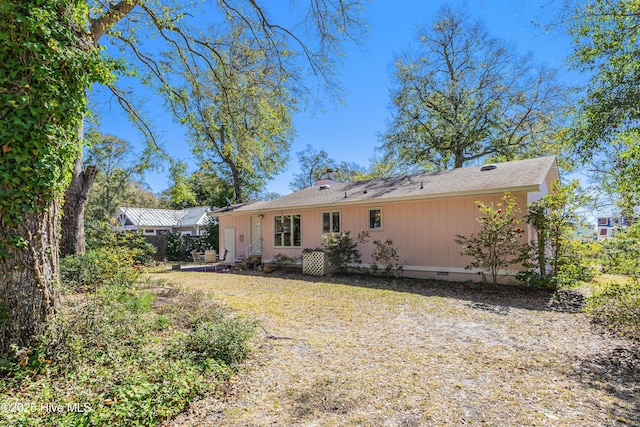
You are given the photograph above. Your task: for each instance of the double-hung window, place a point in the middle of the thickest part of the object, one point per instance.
(287, 231)
(375, 219)
(331, 222)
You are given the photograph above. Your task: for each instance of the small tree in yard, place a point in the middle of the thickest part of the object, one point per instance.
(498, 244)
(554, 258)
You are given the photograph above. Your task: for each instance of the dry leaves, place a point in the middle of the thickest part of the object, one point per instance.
(362, 351)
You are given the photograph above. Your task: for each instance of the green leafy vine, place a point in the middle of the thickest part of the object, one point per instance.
(48, 62)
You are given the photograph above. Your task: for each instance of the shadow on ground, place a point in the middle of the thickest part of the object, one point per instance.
(616, 372)
(483, 296)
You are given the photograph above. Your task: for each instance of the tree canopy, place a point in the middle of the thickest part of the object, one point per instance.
(50, 56)
(605, 132)
(118, 178)
(314, 164)
(238, 116)
(467, 95)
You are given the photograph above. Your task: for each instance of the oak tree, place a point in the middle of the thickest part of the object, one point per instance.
(467, 95)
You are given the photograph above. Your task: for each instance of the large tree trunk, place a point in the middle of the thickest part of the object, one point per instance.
(237, 187)
(28, 279)
(72, 235)
(458, 160)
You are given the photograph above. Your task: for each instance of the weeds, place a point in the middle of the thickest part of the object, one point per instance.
(617, 308)
(124, 353)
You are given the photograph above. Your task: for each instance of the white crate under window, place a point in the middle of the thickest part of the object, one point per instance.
(315, 263)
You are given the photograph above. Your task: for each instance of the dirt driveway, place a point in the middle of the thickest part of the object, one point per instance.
(358, 352)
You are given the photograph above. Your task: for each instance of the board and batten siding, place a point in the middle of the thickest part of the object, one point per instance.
(422, 231)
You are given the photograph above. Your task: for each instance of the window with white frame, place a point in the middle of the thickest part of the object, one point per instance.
(375, 219)
(331, 222)
(287, 231)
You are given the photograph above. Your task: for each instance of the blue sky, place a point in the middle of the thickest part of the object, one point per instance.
(349, 132)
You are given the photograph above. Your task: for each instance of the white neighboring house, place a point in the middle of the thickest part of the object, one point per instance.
(609, 225)
(153, 222)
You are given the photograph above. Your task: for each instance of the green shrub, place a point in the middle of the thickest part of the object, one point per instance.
(342, 250)
(142, 251)
(107, 266)
(497, 245)
(571, 266)
(175, 247)
(286, 263)
(179, 247)
(211, 237)
(101, 235)
(387, 255)
(621, 254)
(617, 308)
(554, 258)
(224, 340)
(282, 260)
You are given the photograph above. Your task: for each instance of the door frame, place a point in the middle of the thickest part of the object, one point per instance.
(252, 238)
(230, 245)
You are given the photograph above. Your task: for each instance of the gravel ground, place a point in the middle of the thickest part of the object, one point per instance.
(357, 351)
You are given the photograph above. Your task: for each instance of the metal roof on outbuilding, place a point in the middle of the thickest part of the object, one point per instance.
(146, 217)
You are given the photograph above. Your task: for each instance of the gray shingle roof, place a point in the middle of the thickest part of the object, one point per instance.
(525, 175)
(145, 217)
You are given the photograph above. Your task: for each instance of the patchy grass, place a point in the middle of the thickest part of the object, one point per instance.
(362, 351)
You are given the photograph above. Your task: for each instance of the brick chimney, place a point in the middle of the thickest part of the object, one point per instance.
(328, 180)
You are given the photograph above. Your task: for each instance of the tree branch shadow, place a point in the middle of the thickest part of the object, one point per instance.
(616, 372)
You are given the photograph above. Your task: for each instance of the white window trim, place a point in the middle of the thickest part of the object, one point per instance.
(339, 212)
(274, 230)
(381, 219)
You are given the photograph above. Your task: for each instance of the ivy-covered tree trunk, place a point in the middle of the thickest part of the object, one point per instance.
(29, 273)
(72, 234)
(48, 62)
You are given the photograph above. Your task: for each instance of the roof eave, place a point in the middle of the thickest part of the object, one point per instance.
(523, 188)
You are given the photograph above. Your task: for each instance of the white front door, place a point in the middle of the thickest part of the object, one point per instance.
(255, 247)
(230, 245)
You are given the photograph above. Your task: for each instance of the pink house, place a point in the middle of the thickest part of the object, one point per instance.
(421, 213)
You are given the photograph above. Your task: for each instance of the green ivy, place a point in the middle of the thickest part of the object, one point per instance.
(48, 62)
